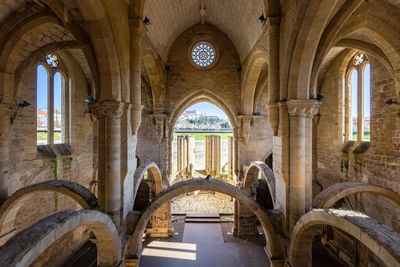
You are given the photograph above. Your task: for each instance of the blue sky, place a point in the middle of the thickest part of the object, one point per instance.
(42, 89)
(208, 109)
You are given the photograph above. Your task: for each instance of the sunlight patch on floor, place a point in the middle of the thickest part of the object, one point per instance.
(171, 250)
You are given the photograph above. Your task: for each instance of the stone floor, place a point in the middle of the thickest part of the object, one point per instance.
(202, 246)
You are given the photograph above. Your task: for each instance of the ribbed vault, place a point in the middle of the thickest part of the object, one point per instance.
(238, 19)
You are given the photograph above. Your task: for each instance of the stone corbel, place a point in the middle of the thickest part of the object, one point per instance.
(273, 117)
(245, 127)
(160, 126)
(8, 111)
(303, 108)
(136, 118)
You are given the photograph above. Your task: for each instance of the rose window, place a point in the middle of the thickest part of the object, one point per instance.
(203, 54)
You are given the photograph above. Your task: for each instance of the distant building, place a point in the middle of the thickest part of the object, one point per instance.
(42, 116)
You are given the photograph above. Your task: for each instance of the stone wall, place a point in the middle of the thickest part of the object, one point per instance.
(74, 161)
(203, 203)
(380, 164)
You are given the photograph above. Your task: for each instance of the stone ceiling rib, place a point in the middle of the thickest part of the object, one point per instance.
(237, 18)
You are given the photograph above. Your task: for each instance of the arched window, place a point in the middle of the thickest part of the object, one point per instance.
(51, 103)
(358, 100)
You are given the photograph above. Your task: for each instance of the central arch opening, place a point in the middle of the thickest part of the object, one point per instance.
(202, 144)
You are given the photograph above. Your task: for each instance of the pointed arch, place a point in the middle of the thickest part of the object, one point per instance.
(202, 95)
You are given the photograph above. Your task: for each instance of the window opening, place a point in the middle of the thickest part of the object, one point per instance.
(42, 105)
(203, 54)
(367, 103)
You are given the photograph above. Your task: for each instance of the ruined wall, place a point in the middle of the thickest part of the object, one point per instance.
(337, 161)
(380, 164)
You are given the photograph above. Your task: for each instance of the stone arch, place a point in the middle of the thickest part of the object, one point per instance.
(153, 168)
(105, 49)
(27, 245)
(273, 246)
(255, 64)
(77, 192)
(156, 71)
(378, 44)
(201, 95)
(303, 46)
(334, 193)
(268, 176)
(379, 238)
(328, 36)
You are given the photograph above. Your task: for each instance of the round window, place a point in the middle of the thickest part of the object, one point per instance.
(203, 54)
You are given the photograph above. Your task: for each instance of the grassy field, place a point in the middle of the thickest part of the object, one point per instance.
(367, 136)
(42, 136)
(201, 136)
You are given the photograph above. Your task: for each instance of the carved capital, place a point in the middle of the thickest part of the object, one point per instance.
(303, 108)
(109, 109)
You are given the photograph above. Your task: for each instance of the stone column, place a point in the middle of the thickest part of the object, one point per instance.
(273, 24)
(213, 155)
(137, 33)
(109, 114)
(231, 154)
(7, 111)
(299, 111)
(185, 154)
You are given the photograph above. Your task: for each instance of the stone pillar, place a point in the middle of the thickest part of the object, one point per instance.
(273, 24)
(245, 221)
(137, 33)
(299, 111)
(185, 154)
(6, 113)
(231, 154)
(213, 155)
(109, 114)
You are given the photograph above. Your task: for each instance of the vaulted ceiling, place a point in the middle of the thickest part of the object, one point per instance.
(237, 19)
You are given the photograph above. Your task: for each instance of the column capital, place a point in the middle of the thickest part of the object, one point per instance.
(109, 109)
(302, 108)
(7, 109)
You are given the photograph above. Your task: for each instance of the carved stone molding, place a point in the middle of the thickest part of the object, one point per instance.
(109, 109)
(303, 108)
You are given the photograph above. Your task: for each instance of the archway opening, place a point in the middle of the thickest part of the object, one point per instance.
(202, 144)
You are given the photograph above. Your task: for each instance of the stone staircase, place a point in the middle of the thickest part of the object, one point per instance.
(202, 218)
